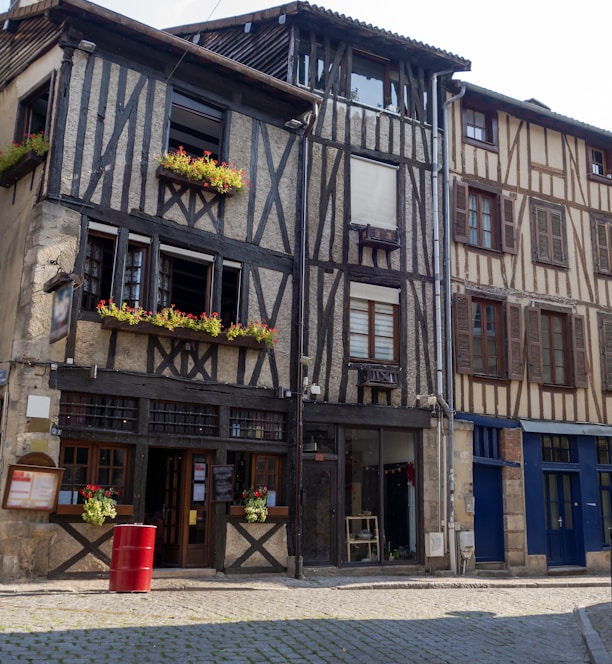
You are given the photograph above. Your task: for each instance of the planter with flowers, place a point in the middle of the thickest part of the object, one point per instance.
(99, 504)
(205, 171)
(19, 159)
(255, 504)
(171, 322)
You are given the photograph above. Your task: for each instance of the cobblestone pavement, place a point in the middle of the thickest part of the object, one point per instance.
(311, 622)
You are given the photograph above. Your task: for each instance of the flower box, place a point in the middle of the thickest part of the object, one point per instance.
(238, 510)
(24, 166)
(170, 176)
(77, 510)
(183, 333)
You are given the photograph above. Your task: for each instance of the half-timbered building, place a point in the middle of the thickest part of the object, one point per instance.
(161, 414)
(371, 479)
(530, 214)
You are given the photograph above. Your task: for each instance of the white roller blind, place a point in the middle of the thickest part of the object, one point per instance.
(374, 293)
(373, 193)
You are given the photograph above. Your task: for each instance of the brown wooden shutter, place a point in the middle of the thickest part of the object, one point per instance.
(534, 344)
(541, 225)
(461, 212)
(557, 238)
(462, 308)
(509, 242)
(513, 336)
(605, 340)
(579, 351)
(602, 246)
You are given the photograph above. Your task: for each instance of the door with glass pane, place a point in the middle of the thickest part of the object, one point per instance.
(561, 547)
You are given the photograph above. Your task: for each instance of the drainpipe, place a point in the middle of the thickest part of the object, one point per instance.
(448, 332)
(299, 436)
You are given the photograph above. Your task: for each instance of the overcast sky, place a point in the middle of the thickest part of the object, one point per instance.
(558, 53)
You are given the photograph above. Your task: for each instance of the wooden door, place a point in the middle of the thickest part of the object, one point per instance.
(561, 546)
(319, 513)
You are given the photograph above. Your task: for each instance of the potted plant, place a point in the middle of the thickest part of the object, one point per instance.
(98, 504)
(255, 507)
(221, 178)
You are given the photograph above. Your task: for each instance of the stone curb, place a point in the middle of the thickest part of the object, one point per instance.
(592, 640)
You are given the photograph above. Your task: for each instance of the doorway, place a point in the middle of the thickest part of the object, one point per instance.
(561, 548)
(319, 513)
(178, 503)
(489, 513)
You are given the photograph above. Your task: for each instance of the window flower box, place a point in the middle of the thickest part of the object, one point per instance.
(182, 333)
(169, 176)
(277, 511)
(77, 510)
(25, 165)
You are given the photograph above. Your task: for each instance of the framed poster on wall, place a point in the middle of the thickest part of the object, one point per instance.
(32, 488)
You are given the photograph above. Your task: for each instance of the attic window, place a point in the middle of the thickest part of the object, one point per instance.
(195, 126)
(33, 112)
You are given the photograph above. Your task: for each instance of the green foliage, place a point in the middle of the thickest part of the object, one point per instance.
(13, 153)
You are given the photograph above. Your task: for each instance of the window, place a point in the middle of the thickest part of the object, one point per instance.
(183, 418)
(604, 476)
(97, 411)
(484, 219)
(311, 66)
(556, 348)
(601, 228)
(605, 346)
(117, 264)
(373, 193)
(94, 463)
(479, 125)
(373, 322)
(556, 449)
(259, 424)
(600, 161)
(266, 471)
(486, 442)
(487, 337)
(548, 234)
(195, 126)
(34, 112)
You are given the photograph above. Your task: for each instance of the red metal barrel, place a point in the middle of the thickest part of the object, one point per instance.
(132, 558)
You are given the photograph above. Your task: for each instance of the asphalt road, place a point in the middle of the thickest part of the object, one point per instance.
(243, 624)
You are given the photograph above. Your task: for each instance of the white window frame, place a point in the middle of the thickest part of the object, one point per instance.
(373, 193)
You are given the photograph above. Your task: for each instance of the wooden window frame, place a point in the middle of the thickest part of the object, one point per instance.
(559, 449)
(574, 347)
(601, 233)
(504, 236)
(34, 113)
(194, 125)
(387, 68)
(93, 468)
(543, 218)
(371, 334)
(270, 477)
(599, 163)
(490, 125)
(508, 335)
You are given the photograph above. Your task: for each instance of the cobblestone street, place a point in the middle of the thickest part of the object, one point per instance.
(240, 622)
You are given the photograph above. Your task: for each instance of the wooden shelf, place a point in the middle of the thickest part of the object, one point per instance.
(356, 545)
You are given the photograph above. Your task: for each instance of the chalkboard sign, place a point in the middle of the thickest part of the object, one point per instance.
(223, 484)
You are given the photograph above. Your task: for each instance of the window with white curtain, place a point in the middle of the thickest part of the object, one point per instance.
(373, 322)
(373, 193)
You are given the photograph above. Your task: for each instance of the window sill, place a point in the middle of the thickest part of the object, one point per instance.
(77, 510)
(602, 179)
(24, 166)
(167, 175)
(182, 333)
(481, 144)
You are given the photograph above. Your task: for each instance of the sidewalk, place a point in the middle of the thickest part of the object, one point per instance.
(595, 622)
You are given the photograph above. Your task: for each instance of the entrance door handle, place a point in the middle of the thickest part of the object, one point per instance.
(560, 521)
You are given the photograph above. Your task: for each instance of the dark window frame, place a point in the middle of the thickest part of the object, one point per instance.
(489, 125)
(599, 163)
(194, 125)
(372, 328)
(34, 112)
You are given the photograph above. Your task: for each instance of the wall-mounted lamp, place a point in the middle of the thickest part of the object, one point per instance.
(310, 390)
(294, 123)
(87, 46)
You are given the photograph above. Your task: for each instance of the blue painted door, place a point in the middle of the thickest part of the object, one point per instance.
(489, 513)
(561, 546)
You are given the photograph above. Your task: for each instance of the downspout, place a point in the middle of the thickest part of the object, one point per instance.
(299, 436)
(449, 336)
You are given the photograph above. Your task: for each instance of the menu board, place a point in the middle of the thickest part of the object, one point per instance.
(32, 488)
(223, 484)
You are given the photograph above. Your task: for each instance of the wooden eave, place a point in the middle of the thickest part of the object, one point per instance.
(534, 113)
(307, 17)
(152, 47)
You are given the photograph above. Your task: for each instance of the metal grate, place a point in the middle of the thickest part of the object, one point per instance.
(258, 424)
(183, 418)
(95, 411)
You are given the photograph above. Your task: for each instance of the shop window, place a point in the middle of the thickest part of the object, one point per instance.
(194, 126)
(556, 348)
(479, 125)
(556, 449)
(484, 219)
(373, 193)
(605, 499)
(183, 418)
(257, 424)
(548, 234)
(373, 323)
(96, 411)
(94, 463)
(487, 337)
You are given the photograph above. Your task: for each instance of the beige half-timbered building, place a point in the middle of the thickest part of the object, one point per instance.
(530, 219)
(167, 417)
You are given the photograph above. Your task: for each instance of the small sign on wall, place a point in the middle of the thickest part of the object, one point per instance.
(60, 318)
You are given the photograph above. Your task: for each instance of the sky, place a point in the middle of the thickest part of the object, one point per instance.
(556, 53)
